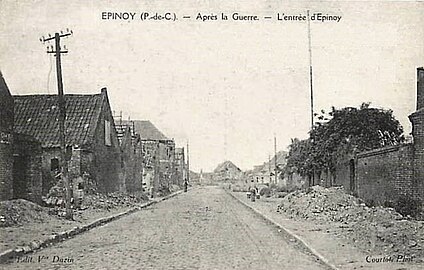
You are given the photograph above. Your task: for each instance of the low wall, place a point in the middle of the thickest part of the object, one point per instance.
(384, 174)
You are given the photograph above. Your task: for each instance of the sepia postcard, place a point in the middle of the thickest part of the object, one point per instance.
(209, 134)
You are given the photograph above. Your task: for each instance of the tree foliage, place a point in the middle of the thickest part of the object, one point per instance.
(342, 133)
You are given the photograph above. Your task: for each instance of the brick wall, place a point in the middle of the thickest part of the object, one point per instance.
(166, 164)
(420, 88)
(150, 165)
(106, 166)
(382, 175)
(88, 170)
(132, 163)
(27, 163)
(6, 140)
(180, 170)
(6, 164)
(417, 120)
(159, 165)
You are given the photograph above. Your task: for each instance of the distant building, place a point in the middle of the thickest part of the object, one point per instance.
(265, 173)
(180, 167)
(158, 157)
(227, 171)
(93, 152)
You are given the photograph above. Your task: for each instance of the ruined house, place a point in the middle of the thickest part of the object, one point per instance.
(131, 156)
(92, 153)
(180, 167)
(6, 135)
(158, 157)
(20, 155)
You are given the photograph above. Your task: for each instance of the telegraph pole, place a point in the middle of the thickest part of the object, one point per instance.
(275, 158)
(188, 164)
(57, 50)
(269, 168)
(310, 71)
(311, 85)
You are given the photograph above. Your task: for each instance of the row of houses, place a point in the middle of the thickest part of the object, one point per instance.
(104, 153)
(265, 173)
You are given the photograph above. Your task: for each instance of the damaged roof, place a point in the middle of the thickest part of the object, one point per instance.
(147, 130)
(225, 166)
(37, 115)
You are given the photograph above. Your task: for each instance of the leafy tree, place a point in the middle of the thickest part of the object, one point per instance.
(342, 133)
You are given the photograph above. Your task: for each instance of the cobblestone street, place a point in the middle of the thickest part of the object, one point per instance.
(202, 229)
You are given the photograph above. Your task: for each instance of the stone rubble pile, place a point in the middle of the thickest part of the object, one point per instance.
(20, 211)
(375, 229)
(112, 200)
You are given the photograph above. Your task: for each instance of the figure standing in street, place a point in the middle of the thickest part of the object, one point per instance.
(253, 194)
(152, 192)
(185, 185)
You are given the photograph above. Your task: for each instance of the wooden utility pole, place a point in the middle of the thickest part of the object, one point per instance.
(269, 169)
(57, 50)
(275, 159)
(310, 71)
(311, 85)
(188, 164)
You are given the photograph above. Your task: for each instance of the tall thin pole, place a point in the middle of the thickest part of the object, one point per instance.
(275, 158)
(311, 83)
(62, 117)
(188, 164)
(310, 71)
(269, 169)
(62, 135)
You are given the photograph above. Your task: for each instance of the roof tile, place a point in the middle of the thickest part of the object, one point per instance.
(37, 115)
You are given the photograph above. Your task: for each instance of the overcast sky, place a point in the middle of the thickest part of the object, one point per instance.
(225, 86)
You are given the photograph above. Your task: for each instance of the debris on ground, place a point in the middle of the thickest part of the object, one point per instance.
(174, 188)
(99, 201)
(374, 229)
(20, 211)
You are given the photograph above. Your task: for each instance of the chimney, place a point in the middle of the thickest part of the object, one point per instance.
(420, 88)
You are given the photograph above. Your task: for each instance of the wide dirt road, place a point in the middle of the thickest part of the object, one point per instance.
(202, 229)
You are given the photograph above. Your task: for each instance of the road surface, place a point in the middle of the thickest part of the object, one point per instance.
(203, 229)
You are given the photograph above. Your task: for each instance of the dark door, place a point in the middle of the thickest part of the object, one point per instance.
(20, 164)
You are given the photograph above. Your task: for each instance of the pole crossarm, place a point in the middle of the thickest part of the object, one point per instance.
(43, 39)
